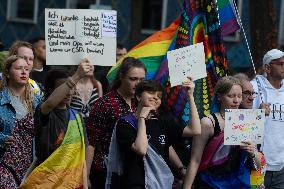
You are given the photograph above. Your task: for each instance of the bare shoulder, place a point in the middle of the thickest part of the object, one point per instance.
(207, 124)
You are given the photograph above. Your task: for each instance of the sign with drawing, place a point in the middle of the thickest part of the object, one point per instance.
(73, 34)
(186, 61)
(243, 125)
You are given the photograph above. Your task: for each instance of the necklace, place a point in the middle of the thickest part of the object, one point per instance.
(222, 115)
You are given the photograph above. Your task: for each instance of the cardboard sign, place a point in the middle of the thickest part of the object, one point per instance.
(186, 61)
(243, 125)
(74, 34)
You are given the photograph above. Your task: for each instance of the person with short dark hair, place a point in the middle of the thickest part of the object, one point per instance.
(145, 137)
(40, 68)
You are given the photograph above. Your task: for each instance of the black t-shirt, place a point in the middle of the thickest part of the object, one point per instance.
(50, 131)
(47, 130)
(161, 135)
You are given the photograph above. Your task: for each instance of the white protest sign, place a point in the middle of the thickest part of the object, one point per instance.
(243, 125)
(73, 34)
(186, 61)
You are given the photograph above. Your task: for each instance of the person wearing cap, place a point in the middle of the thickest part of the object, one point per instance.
(270, 90)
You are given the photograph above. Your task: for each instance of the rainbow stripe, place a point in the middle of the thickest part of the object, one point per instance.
(151, 51)
(64, 168)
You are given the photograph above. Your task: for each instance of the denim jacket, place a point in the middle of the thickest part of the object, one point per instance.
(8, 114)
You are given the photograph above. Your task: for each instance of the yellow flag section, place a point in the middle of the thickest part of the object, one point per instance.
(65, 167)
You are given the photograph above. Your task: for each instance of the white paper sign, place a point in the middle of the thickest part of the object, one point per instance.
(243, 125)
(186, 61)
(73, 34)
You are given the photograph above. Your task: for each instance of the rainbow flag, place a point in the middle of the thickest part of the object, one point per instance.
(197, 23)
(227, 17)
(65, 167)
(151, 51)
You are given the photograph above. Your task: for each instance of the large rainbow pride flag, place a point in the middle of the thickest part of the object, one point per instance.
(65, 167)
(198, 23)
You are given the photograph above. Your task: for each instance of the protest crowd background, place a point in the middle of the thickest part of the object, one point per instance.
(81, 109)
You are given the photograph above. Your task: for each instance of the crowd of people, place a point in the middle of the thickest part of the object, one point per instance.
(61, 129)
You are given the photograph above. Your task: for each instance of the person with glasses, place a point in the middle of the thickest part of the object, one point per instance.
(257, 176)
(270, 90)
(104, 114)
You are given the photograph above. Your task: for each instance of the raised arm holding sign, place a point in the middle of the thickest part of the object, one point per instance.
(186, 61)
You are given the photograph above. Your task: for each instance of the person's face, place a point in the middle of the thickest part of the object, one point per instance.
(19, 72)
(232, 99)
(151, 99)
(28, 55)
(131, 79)
(275, 69)
(248, 95)
(67, 99)
(40, 52)
(91, 72)
(120, 53)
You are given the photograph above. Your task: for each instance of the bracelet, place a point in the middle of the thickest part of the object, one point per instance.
(142, 117)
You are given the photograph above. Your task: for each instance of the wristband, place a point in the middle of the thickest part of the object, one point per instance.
(142, 117)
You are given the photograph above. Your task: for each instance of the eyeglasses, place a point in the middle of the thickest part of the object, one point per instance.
(136, 78)
(249, 93)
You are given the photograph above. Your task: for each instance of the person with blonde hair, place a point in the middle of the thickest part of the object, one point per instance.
(17, 105)
(214, 165)
(25, 50)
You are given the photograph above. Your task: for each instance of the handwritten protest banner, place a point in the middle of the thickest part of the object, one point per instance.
(73, 34)
(243, 125)
(186, 61)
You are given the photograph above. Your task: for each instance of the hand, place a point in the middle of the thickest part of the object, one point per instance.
(9, 140)
(248, 147)
(265, 106)
(189, 84)
(145, 111)
(84, 67)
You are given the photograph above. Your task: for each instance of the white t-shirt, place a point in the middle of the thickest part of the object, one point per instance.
(273, 144)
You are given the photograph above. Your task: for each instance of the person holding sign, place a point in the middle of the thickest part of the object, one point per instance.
(212, 164)
(60, 138)
(145, 136)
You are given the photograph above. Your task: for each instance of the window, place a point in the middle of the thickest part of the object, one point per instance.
(22, 11)
(154, 15)
(281, 25)
(235, 37)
